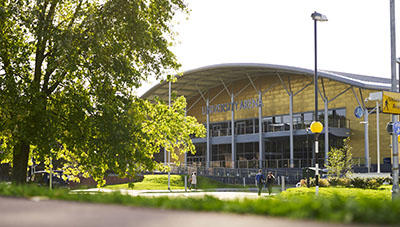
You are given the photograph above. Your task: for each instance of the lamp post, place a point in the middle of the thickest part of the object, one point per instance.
(169, 154)
(395, 167)
(316, 127)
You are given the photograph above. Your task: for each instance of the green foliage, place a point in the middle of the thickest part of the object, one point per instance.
(340, 160)
(321, 182)
(67, 74)
(370, 183)
(357, 182)
(347, 205)
(336, 181)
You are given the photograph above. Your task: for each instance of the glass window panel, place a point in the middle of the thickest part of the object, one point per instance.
(286, 119)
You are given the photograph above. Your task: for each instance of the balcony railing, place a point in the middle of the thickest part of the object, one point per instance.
(250, 164)
(277, 127)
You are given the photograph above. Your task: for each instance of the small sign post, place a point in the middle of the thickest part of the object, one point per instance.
(358, 112)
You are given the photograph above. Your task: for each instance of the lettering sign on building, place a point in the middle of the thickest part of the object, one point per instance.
(246, 104)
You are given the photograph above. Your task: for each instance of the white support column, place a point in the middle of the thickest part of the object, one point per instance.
(366, 141)
(260, 131)
(208, 134)
(233, 144)
(326, 128)
(291, 130)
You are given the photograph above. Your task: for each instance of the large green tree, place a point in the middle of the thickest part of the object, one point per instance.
(67, 72)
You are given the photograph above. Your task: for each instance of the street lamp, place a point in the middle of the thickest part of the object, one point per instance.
(316, 128)
(317, 125)
(169, 153)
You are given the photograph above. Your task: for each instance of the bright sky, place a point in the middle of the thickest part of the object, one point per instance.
(355, 39)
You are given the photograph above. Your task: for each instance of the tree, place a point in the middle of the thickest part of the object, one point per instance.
(340, 160)
(67, 72)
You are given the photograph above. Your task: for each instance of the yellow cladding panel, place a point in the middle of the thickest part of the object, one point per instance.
(276, 102)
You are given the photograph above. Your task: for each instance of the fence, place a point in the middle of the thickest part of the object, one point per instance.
(235, 176)
(254, 164)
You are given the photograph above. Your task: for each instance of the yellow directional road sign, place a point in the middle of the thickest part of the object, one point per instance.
(391, 102)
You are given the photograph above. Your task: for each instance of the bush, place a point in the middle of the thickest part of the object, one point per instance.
(373, 184)
(336, 181)
(322, 182)
(345, 182)
(370, 183)
(303, 183)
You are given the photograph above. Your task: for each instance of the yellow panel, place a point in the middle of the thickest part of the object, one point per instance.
(391, 102)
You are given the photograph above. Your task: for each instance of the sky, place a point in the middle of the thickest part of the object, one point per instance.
(355, 39)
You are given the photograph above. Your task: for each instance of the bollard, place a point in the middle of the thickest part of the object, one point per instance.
(185, 183)
(283, 183)
(279, 180)
(244, 182)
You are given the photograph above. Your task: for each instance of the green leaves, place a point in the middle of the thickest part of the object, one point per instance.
(340, 160)
(67, 70)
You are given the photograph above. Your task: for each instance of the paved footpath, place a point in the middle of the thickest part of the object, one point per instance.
(18, 212)
(221, 193)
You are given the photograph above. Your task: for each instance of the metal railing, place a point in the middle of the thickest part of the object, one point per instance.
(238, 175)
(277, 127)
(250, 164)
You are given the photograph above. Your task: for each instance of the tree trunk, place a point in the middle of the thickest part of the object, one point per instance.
(20, 162)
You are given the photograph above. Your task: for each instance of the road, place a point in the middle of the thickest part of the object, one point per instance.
(18, 212)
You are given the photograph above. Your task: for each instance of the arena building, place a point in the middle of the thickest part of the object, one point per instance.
(258, 115)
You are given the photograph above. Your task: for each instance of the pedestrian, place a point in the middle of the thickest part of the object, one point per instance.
(270, 182)
(190, 182)
(193, 182)
(260, 180)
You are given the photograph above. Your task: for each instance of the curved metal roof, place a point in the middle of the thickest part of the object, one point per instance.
(204, 78)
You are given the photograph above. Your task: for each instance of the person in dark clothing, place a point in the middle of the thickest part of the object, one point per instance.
(260, 180)
(270, 182)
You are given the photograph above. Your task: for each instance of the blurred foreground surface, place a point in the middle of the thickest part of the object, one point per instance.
(37, 212)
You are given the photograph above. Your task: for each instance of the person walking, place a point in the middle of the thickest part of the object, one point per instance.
(260, 180)
(270, 182)
(193, 182)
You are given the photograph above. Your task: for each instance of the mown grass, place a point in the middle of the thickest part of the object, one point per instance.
(333, 204)
(381, 193)
(160, 182)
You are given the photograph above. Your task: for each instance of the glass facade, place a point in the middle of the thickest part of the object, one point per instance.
(276, 149)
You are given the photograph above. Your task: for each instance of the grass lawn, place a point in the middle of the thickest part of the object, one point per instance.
(339, 205)
(384, 192)
(160, 182)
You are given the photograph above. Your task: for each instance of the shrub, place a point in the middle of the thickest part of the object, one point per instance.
(358, 182)
(345, 182)
(373, 184)
(334, 181)
(370, 183)
(303, 183)
(322, 182)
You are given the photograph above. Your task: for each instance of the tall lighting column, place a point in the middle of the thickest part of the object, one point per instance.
(316, 127)
(395, 166)
(169, 154)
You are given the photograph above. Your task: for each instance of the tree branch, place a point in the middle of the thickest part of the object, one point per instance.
(42, 39)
